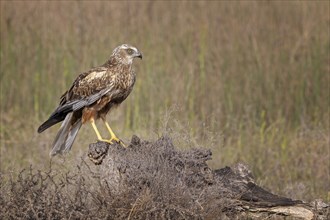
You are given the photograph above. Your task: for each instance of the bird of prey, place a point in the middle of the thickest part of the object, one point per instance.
(91, 96)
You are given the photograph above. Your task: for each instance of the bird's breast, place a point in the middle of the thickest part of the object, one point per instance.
(125, 81)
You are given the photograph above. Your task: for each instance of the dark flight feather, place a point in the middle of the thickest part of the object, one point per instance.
(60, 113)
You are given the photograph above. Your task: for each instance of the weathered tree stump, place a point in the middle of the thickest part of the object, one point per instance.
(184, 178)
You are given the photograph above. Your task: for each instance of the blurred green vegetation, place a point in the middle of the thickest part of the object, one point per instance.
(248, 79)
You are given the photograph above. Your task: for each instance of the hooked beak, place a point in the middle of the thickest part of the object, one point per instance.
(139, 55)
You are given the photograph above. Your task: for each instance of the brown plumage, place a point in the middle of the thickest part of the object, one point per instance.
(91, 96)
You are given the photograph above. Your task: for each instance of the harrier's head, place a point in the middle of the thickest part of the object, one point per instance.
(126, 53)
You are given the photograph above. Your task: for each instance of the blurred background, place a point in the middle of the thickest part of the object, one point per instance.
(249, 80)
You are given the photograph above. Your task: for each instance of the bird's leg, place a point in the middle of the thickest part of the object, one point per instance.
(99, 137)
(113, 136)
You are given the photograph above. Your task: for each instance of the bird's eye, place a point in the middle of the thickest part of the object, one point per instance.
(130, 51)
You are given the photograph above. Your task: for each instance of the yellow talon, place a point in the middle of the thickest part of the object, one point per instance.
(105, 140)
(113, 136)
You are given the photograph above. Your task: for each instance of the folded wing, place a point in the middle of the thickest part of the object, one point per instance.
(60, 113)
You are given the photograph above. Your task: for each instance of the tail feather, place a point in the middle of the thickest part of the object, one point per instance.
(72, 136)
(65, 136)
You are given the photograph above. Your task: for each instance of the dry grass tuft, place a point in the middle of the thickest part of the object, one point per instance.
(82, 193)
(146, 180)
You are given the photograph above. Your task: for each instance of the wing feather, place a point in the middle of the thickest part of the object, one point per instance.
(86, 84)
(60, 113)
(85, 90)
